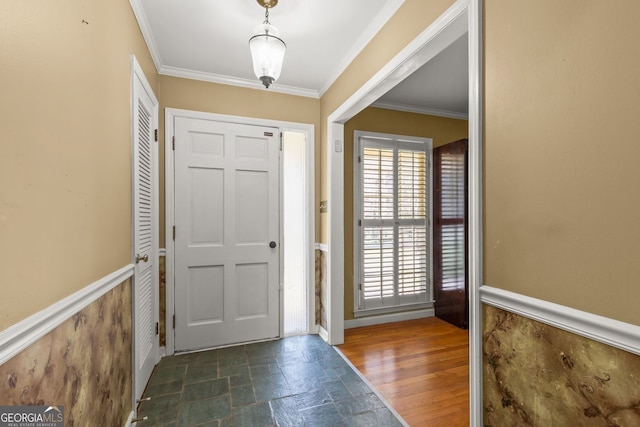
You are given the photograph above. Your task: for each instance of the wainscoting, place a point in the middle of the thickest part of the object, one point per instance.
(541, 375)
(321, 285)
(83, 364)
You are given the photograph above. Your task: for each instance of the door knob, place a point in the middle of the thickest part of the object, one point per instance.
(272, 245)
(144, 258)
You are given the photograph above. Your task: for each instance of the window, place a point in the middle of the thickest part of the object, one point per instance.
(393, 211)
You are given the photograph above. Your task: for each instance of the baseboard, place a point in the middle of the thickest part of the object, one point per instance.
(323, 333)
(129, 420)
(598, 328)
(388, 318)
(18, 337)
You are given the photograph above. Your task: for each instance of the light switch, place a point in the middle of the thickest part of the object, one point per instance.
(338, 146)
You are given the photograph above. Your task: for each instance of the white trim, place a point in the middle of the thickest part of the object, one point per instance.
(335, 224)
(598, 328)
(366, 381)
(389, 318)
(322, 247)
(129, 423)
(308, 129)
(235, 81)
(464, 16)
(476, 409)
(143, 23)
(18, 337)
(323, 333)
(389, 9)
(401, 308)
(395, 142)
(421, 110)
(376, 24)
(446, 29)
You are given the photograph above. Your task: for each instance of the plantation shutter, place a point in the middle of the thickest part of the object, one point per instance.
(395, 210)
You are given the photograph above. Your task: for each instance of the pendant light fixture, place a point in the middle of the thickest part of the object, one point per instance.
(267, 48)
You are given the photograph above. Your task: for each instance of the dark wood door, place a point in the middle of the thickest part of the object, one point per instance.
(450, 233)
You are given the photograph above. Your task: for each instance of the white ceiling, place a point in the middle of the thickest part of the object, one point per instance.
(208, 40)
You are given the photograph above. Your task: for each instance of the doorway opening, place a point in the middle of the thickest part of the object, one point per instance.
(305, 203)
(463, 16)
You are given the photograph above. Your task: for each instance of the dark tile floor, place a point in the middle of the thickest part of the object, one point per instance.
(296, 381)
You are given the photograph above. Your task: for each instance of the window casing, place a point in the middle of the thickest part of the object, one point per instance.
(392, 211)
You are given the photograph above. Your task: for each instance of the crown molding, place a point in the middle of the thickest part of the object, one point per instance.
(372, 29)
(421, 110)
(369, 33)
(143, 23)
(234, 81)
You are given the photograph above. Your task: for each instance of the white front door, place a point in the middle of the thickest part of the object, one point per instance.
(227, 233)
(145, 230)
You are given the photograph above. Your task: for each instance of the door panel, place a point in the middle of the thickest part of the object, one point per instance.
(226, 213)
(450, 234)
(145, 214)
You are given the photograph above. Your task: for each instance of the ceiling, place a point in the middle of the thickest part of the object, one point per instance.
(208, 40)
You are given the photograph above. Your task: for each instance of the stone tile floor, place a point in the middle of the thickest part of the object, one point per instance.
(296, 381)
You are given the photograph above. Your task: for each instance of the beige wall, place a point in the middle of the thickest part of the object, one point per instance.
(65, 167)
(232, 100)
(562, 204)
(411, 19)
(441, 130)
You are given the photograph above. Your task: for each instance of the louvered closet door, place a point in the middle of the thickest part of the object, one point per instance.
(145, 235)
(450, 233)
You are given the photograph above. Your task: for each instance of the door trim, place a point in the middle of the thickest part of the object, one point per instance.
(309, 130)
(465, 16)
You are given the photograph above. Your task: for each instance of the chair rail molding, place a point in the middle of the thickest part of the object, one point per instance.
(18, 337)
(598, 328)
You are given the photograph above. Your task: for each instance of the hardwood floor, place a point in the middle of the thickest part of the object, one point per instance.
(421, 367)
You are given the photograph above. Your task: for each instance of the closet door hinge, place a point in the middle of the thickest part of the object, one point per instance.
(157, 328)
(174, 321)
(174, 232)
(155, 135)
(173, 143)
(359, 223)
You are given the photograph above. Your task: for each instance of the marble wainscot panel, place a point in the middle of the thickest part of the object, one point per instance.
(539, 375)
(321, 288)
(84, 365)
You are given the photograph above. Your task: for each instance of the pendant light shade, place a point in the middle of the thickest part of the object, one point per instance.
(267, 52)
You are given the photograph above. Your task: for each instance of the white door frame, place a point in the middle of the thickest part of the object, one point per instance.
(463, 16)
(309, 131)
(139, 82)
